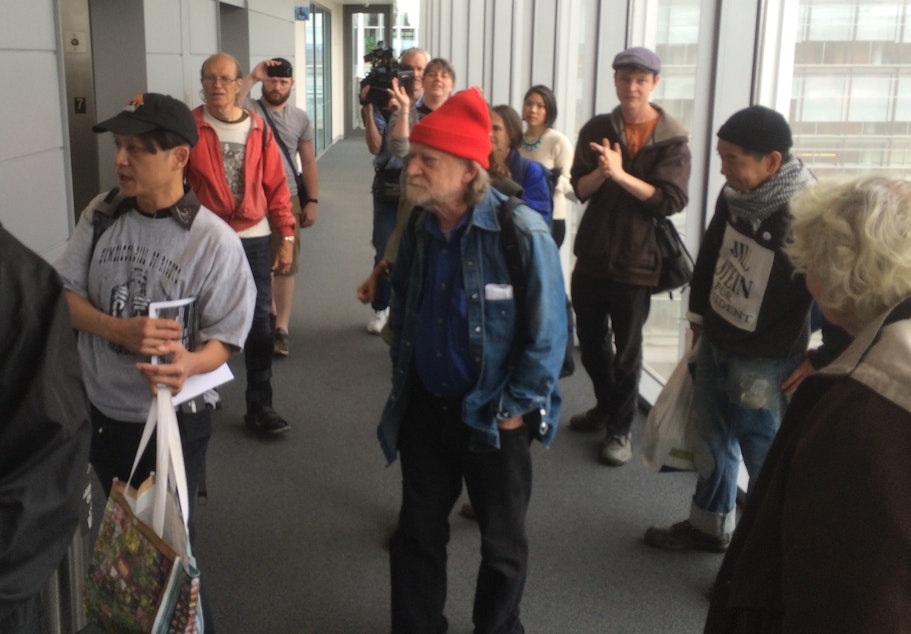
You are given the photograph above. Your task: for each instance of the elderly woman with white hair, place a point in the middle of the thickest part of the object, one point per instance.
(824, 543)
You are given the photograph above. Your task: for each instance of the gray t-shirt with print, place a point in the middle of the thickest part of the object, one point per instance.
(293, 127)
(142, 259)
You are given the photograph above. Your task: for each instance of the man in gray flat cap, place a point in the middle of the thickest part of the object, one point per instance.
(633, 166)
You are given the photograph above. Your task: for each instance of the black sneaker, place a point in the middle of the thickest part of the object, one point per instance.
(266, 421)
(684, 536)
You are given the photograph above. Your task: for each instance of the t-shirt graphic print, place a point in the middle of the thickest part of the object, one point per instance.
(741, 279)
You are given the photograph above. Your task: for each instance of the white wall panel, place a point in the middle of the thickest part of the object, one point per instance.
(542, 48)
(165, 75)
(489, 53)
(34, 206)
(445, 30)
(163, 26)
(282, 9)
(520, 45)
(202, 26)
(610, 39)
(27, 25)
(269, 37)
(474, 72)
(37, 126)
(458, 24)
(501, 51)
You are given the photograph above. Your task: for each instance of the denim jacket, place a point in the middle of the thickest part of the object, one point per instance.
(501, 392)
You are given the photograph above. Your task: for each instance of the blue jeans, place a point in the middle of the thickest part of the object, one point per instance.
(259, 256)
(385, 214)
(737, 408)
(258, 347)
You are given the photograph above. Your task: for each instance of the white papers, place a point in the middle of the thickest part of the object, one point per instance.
(183, 310)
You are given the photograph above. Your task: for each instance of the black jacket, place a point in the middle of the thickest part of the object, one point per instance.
(44, 425)
(616, 236)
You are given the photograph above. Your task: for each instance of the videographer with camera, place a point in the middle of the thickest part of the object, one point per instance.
(437, 83)
(375, 110)
(291, 127)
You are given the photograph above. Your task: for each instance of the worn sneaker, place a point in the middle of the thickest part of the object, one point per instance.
(616, 449)
(266, 421)
(280, 342)
(375, 324)
(592, 420)
(683, 536)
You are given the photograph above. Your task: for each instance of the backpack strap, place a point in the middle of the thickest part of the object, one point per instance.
(105, 214)
(512, 253)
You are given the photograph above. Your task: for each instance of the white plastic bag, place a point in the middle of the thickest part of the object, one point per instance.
(670, 442)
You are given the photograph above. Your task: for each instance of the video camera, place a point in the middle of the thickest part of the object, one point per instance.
(383, 68)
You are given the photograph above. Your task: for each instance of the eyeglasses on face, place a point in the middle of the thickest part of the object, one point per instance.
(212, 79)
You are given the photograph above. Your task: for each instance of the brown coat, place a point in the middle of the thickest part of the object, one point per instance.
(824, 544)
(616, 237)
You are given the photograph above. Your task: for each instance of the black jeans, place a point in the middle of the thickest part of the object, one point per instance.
(609, 321)
(435, 453)
(114, 445)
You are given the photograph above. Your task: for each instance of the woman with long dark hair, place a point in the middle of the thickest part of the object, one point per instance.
(548, 147)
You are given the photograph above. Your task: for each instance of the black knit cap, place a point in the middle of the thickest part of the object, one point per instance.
(758, 129)
(282, 69)
(151, 111)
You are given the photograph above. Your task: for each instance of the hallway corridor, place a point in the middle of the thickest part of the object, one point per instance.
(292, 536)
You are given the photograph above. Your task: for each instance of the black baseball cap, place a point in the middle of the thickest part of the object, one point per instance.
(282, 69)
(149, 112)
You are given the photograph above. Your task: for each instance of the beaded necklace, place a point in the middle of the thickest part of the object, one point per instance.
(531, 147)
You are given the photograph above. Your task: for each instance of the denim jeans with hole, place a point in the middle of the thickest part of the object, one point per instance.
(737, 404)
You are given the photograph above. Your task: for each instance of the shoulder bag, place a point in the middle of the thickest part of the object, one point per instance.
(143, 576)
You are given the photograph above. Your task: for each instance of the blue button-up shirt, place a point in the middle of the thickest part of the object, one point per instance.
(500, 391)
(441, 355)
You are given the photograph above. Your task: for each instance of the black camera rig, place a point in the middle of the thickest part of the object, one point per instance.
(383, 68)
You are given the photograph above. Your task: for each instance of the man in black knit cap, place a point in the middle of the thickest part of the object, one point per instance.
(754, 313)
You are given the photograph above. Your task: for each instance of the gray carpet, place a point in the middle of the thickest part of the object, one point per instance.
(292, 537)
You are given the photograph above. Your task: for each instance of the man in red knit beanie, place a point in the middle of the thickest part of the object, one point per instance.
(475, 368)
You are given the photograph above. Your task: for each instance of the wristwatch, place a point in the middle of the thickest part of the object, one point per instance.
(311, 200)
(289, 238)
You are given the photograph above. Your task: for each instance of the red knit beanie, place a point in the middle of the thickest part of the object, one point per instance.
(461, 126)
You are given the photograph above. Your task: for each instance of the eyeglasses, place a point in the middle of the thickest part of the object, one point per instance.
(212, 79)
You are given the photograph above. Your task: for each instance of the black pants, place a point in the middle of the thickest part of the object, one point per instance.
(114, 445)
(435, 457)
(609, 321)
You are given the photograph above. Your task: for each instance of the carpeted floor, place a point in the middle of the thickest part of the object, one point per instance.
(292, 536)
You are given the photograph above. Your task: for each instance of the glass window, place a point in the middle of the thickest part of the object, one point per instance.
(878, 21)
(870, 99)
(832, 21)
(903, 97)
(676, 41)
(823, 98)
(851, 95)
(319, 86)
